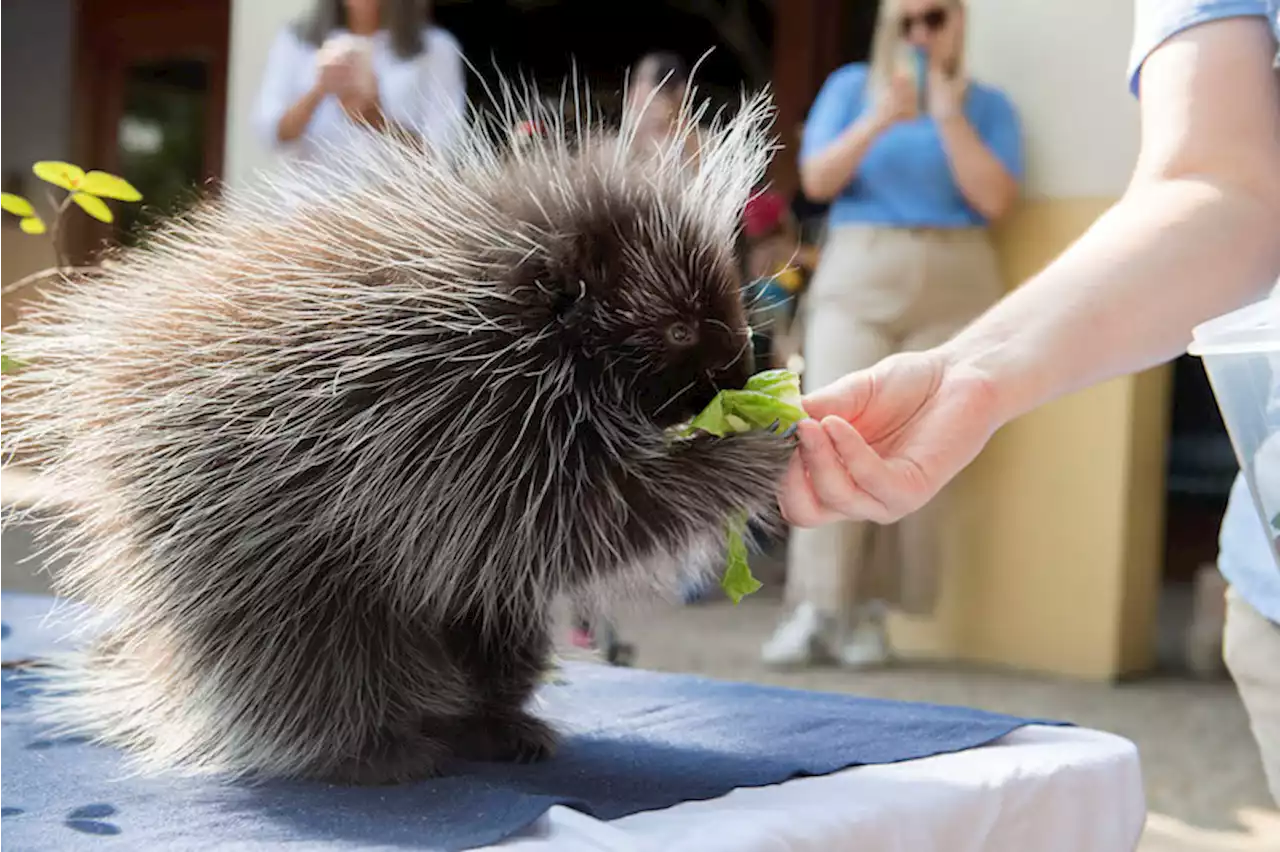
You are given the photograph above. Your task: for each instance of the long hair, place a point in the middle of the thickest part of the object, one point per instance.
(887, 47)
(404, 19)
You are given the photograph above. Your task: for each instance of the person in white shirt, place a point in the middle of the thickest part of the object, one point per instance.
(354, 67)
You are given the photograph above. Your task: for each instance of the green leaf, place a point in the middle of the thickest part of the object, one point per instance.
(32, 225)
(738, 581)
(783, 385)
(773, 395)
(16, 204)
(59, 173)
(109, 186)
(742, 411)
(93, 205)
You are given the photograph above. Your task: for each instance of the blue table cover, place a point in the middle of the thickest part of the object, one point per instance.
(636, 741)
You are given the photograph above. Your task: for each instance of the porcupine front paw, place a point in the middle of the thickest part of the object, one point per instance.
(514, 738)
(741, 471)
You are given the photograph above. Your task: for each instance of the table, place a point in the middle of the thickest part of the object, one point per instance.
(650, 761)
(1039, 788)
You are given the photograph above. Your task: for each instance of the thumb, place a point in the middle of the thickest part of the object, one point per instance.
(845, 398)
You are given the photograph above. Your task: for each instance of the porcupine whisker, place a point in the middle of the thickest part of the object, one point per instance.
(675, 397)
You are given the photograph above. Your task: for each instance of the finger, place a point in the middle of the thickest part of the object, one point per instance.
(835, 489)
(873, 474)
(846, 397)
(800, 504)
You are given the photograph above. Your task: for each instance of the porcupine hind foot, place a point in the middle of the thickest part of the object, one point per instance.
(514, 737)
(506, 659)
(392, 758)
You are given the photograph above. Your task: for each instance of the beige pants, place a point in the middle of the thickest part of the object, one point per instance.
(878, 291)
(1251, 649)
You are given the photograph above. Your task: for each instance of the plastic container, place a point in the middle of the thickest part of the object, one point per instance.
(1241, 355)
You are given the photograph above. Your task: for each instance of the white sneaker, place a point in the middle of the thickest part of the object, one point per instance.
(866, 643)
(798, 640)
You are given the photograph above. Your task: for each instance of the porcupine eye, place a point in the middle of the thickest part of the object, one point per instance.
(681, 335)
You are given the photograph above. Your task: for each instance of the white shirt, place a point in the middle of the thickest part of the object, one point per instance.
(426, 93)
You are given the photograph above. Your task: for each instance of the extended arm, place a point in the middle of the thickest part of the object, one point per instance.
(1196, 234)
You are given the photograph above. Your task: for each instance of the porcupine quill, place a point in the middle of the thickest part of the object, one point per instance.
(338, 441)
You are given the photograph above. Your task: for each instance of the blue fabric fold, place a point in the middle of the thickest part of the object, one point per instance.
(635, 741)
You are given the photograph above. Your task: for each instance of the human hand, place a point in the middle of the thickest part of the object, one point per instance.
(336, 73)
(898, 102)
(345, 68)
(945, 94)
(882, 442)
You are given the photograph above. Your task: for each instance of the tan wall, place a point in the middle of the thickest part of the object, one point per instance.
(1056, 545)
(1056, 548)
(254, 25)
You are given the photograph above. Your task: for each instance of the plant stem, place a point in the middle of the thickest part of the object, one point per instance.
(36, 277)
(59, 257)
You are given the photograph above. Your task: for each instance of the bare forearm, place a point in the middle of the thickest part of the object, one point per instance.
(1125, 297)
(823, 175)
(982, 178)
(295, 120)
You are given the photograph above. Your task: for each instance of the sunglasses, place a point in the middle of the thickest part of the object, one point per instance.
(933, 20)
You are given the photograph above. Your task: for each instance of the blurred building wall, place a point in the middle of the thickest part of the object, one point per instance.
(254, 25)
(37, 90)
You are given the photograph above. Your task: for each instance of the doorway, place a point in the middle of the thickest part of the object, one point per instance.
(150, 97)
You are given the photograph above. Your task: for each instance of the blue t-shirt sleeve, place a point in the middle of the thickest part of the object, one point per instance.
(1155, 21)
(838, 104)
(1001, 129)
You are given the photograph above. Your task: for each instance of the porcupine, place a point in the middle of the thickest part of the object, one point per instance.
(338, 443)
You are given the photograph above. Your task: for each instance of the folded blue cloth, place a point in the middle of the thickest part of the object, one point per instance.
(636, 741)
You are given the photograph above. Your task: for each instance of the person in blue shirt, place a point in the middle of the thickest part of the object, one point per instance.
(916, 160)
(1196, 235)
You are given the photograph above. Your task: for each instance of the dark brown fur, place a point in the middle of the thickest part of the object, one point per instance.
(337, 463)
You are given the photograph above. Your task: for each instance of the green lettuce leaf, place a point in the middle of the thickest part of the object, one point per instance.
(770, 397)
(738, 581)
